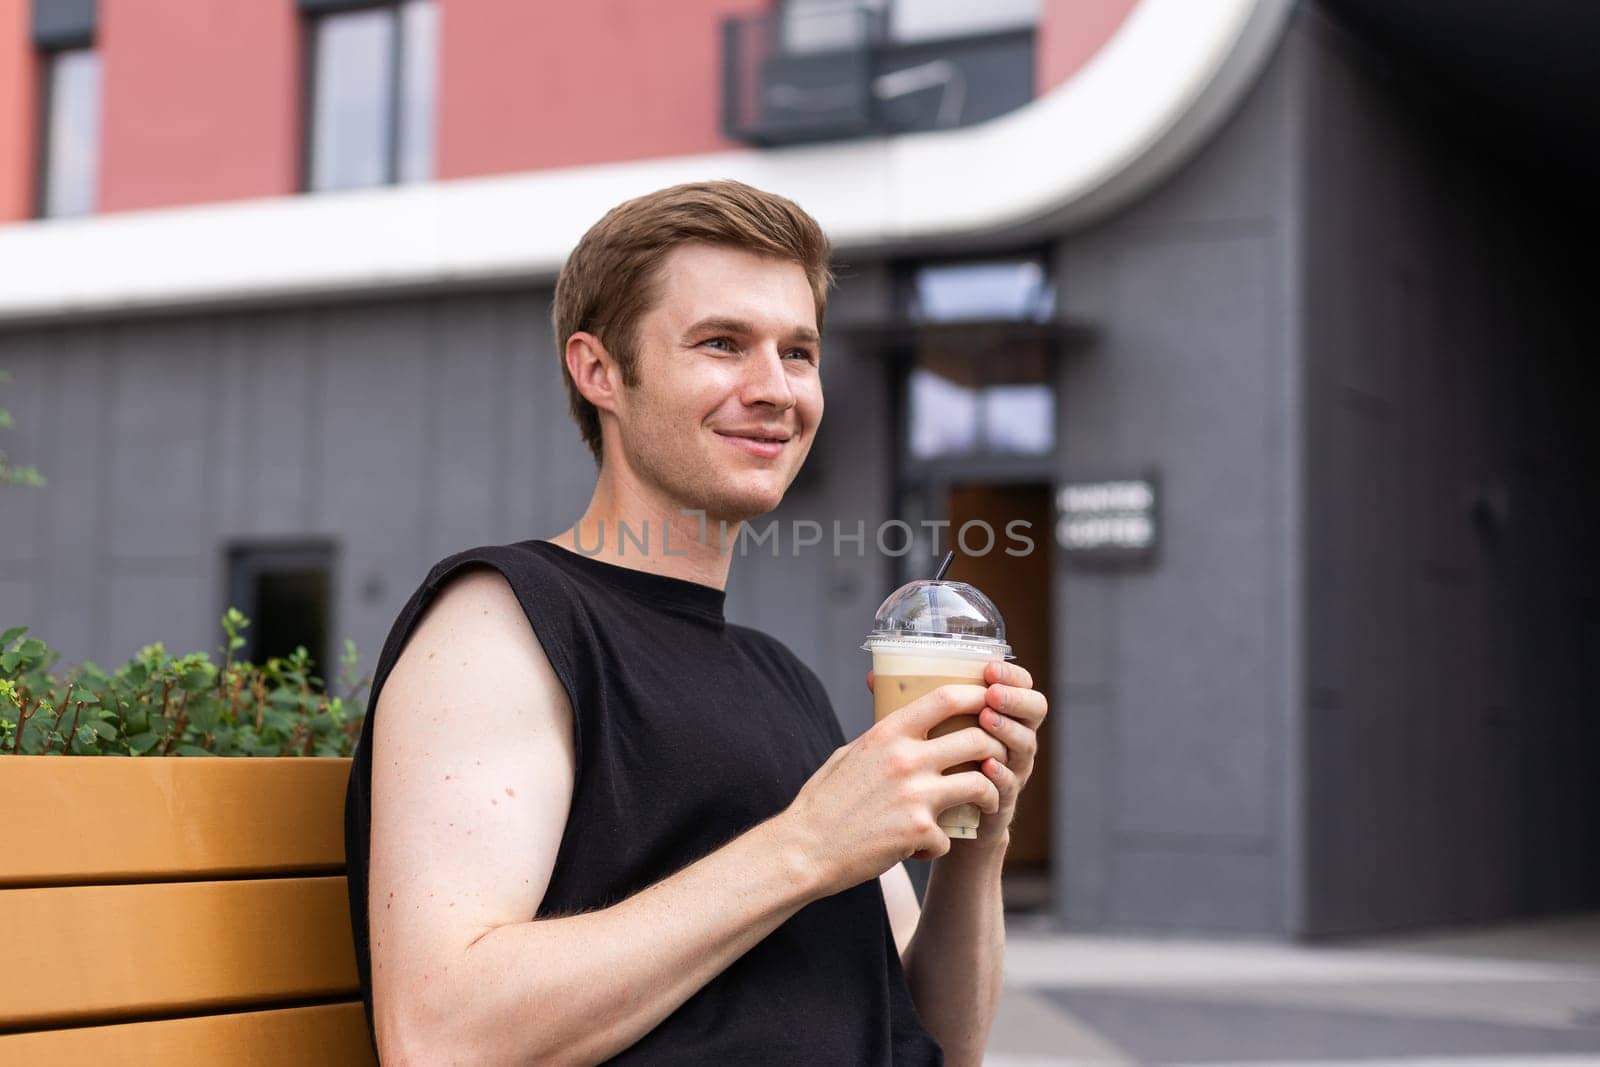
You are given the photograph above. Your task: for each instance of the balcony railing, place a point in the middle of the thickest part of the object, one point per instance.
(831, 72)
(799, 76)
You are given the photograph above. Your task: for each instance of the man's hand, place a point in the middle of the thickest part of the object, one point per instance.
(876, 801)
(1012, 711)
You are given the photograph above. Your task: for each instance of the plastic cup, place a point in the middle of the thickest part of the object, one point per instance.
(927, 634)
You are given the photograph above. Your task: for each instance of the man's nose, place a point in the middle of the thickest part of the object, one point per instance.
(767, 379)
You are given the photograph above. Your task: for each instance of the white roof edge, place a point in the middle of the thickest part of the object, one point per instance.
(1142, 105)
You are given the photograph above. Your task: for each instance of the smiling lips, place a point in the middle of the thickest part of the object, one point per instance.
(765, 443)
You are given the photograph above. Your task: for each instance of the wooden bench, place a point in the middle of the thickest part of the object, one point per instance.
(176, 911)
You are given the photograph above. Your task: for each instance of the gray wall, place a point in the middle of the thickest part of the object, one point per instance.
(1451, 732)
(1176, 785)
(403, 431)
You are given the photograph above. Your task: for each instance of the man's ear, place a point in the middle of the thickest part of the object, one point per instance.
(594, 371)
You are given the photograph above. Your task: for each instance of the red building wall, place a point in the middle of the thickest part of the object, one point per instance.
(1071, 32)
(201, 101)
(18, 111)
(527, 86)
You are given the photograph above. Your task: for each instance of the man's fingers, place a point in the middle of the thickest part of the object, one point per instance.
(1028, 705)
(967, 787)
(1008, 674)
(869, 681)
(1006, 782)
(926, 712)
(965, 746)
(1019, 740)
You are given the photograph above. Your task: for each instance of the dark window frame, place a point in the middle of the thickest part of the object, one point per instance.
(247, 559)
(983, 464)
(44, 56)
(314, 12)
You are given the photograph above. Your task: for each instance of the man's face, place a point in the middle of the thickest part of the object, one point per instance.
(729, 394)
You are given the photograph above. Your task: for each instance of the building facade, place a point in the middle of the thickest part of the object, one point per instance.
(1269, 367)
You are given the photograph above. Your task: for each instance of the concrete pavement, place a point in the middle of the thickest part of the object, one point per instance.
(1500, 996)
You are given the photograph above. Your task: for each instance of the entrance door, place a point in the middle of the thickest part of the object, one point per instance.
(1020, 587)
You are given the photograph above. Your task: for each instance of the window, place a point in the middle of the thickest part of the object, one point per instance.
(284, 591)
(1000, 289)
(372, 95)
(818, 25)
(961, 407)
(70, 152)
(930, 20)
(981, 385)
(827, 25)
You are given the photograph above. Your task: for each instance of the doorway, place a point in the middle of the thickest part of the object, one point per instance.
(1020, 586)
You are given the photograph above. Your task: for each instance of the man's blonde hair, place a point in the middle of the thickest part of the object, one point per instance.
(613, 277)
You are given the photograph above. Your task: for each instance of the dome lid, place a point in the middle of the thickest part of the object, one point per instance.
(954, 615)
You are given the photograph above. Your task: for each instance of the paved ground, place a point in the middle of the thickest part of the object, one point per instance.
(1526, 994)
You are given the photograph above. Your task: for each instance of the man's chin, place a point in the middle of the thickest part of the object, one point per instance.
(742, 506)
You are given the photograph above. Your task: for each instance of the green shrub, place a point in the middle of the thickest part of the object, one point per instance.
(8, 473)
(160, 705)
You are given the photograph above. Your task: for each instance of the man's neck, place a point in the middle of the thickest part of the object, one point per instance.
(627, 528)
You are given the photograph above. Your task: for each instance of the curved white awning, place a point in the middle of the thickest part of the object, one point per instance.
(1143, 104)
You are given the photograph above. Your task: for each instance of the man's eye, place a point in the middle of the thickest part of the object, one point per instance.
(724, 343)
(804, 353)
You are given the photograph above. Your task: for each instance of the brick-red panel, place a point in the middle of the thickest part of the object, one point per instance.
(525, 86)
(18, 111)
(201, 101)
(1071, 32)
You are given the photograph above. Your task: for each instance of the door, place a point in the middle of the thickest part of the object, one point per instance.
(1020, 587)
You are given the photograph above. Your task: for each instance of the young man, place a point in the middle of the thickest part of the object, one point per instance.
(588, 818)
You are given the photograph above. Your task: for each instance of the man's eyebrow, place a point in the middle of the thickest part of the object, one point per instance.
(719, 324)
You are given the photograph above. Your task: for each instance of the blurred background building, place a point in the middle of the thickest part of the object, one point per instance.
(1266, 315)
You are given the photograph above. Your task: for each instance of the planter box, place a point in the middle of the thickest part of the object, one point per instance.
(182, 909)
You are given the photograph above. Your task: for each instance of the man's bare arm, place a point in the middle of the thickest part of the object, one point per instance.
(900, 899)
(472, 780)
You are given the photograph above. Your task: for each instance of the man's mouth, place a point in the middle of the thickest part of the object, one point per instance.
(756, 443)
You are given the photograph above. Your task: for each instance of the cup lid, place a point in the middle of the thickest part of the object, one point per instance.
(955, 615)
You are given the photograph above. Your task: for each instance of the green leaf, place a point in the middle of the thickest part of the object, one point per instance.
(139, 744)
(11, 635)
(203, 715)
(197, 679)
(191, 750)
(9, 661)
(104, 729)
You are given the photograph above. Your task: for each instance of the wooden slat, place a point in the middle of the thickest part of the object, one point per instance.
(332, 1034)
(105, 953)
(71, 820)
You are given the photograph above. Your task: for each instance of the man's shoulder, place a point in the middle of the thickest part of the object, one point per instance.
(519, 554)
(532, 573)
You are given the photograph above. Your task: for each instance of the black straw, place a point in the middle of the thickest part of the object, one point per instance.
(949, 557)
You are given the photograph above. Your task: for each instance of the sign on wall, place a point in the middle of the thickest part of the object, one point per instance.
(1108, 522)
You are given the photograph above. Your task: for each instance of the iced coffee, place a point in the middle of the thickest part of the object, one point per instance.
(927, 634)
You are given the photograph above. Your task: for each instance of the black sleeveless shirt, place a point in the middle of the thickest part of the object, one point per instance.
(688, 731)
